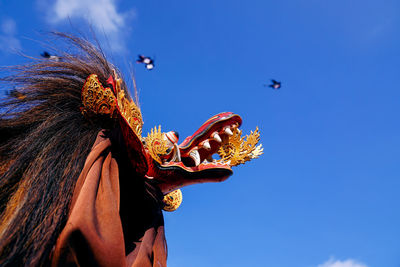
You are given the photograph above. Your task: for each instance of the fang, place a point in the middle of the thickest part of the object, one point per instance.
(206, 145)
(216, 137)
(194, 154)
(228, 131)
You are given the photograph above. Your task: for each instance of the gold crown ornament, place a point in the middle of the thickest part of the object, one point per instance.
(100, 100)
(96, 99)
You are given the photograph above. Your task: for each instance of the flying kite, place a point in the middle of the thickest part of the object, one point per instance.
(149, 62)
(275, 85)
(47, 55)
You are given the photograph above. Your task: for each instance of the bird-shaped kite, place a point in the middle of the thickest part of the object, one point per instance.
(275, 85)
(47, 55)
(149, 63)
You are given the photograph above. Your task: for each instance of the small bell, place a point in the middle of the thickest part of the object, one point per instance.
(172, 200)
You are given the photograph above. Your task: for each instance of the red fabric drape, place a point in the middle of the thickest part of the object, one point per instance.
(93, 234)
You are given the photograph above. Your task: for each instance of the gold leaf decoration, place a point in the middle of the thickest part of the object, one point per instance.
(172, 200)
(96, 99)
(129, 110)
(237, 150)
(156, 144)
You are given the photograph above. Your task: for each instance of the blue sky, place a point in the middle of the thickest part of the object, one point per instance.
(325, 192)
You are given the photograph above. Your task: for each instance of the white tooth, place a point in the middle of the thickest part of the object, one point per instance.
(228, 131)
(216, 137)
(194, 154)
(228, 162)
(205, 162)
(206, 145)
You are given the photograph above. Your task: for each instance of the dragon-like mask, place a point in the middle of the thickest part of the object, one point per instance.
(158, 156)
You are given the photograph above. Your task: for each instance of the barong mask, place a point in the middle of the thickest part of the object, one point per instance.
(158, 156)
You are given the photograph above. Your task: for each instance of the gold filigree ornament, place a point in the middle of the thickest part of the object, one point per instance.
(96, 99)
(172, 200)
(129, 110)
(237, 150)
(156, 144)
